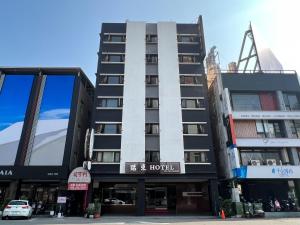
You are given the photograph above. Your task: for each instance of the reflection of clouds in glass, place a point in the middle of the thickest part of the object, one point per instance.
(4, 125)
(55, 114)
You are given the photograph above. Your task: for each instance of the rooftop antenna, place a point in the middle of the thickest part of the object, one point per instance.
(252, 54)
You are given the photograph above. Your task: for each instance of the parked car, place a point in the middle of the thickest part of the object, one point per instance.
(17, 208)
(114, 201)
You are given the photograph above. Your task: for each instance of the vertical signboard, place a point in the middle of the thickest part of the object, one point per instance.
(14, 97)
(51, 130)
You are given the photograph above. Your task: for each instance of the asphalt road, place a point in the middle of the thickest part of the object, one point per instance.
(152, 220)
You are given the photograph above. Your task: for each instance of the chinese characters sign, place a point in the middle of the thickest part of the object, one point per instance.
(154, 168)
(79, 179)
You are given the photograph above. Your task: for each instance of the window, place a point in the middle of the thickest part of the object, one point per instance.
(190, 80)
(152, 156)
(151, 38)
(152, 80)
(195, 157)
(111, 79)
(151, 58)
(152, 128)
(274, 129)
(108, 128)
(192, 103)
(118, 195)
(110, 102)
(186, 38)
(245, 102)
(260, 128)
(194, 128)
(152, 103)
(264, 156)
(114, 38)
(106, 157)
(295, 128)
(188, 59)
(291, 101)
(113, 58)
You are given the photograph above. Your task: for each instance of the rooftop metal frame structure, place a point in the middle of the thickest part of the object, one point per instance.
(252, 54)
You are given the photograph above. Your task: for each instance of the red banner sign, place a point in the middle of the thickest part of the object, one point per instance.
(78, 186)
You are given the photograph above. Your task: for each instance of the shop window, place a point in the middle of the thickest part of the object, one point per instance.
(152, 80)
(291, 101)
(151, 58)
(245, 102)
(113, 58)
(152, 103)
(190, 80)
(194, 129)
(110, 102)
(192, 103)
(108, 128)
(295, 128)
(111, 79)
(106, 157)
(260, 157)
(114, 38)
(152, 128)
(151, 38)
(119, 195)
(152, 156)
(195, 157)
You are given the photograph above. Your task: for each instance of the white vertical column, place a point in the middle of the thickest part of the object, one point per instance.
(171, 131)
(133, 120)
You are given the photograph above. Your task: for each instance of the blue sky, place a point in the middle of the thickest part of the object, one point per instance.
(66, 32)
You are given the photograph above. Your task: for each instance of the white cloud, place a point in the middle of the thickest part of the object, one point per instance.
(55, 114)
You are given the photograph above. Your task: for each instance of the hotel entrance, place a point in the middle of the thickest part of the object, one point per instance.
(160, 199)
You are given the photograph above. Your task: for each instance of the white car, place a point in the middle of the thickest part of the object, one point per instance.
(17, 208)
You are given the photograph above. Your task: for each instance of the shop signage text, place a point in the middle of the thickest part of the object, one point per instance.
(280, 115)
(161, 168)
(264, 172)
(79, 179)
(6, 172)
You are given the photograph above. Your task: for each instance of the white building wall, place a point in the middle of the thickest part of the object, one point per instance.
(170, 115)
(133, 121)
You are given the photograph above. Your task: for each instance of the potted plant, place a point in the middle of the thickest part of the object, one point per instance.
(52, 212)
(97, 208)
(90, 211)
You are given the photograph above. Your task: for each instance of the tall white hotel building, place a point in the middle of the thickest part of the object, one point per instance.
(153, 151)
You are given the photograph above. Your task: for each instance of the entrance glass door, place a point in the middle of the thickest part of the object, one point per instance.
(156, 198)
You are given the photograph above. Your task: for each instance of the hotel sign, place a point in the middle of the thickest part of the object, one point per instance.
(152, 168)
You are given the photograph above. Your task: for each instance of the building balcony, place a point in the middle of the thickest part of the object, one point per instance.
(267, 172)
(267, 142)
(266, 115)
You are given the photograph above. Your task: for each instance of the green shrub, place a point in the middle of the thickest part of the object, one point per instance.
(226, 205)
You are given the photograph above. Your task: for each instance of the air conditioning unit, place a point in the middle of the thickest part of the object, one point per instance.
(271, 162)
(255, 162)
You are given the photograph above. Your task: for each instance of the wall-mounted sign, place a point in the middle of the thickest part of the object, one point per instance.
(155, 168)
(268, 142)
(6, 172)
(61, 199)
(268, 172)
(263, 115)
(79, 179)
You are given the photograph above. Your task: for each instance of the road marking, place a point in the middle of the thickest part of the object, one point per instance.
(148, 222)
